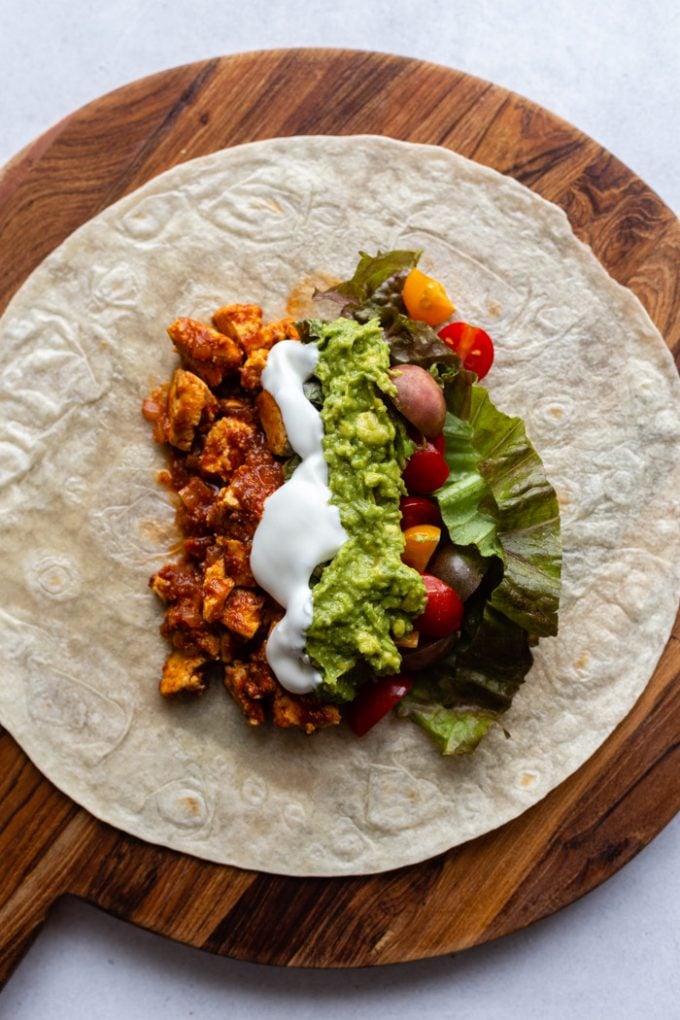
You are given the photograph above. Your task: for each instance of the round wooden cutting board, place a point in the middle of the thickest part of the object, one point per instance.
(585, 829)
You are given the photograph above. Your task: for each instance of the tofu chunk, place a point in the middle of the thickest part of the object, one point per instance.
(272, 423)
(181, 675)
(242, 323)
(302, 713)
(226, 447)
(237, 561)
(243, 612)
(189, 400)
(250, 486)
(282, 329)
(251, 684)
(216, 589)
(252, 368)
(205, 351)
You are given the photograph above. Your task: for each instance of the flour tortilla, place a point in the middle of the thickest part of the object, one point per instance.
(83, 522)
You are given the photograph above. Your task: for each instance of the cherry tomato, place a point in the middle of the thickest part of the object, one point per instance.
(426, 299)
(472, 345)
(418, 438)
(420, 542)
(425, 470)
(443, 612)
(374, 700)
(418, 510)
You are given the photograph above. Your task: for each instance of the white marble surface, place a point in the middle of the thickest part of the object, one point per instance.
(612, 69)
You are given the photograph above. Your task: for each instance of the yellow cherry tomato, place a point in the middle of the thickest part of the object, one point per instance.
(426, 299)
(420, 542)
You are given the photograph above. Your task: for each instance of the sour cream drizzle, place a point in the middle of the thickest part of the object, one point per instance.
(299, 527)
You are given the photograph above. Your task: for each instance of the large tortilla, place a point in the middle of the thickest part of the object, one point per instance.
(84, 523)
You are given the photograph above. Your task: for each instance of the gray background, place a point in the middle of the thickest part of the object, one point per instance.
(610, 68)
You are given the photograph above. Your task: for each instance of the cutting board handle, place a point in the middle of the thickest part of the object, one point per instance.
(20, 923)
(43, 838)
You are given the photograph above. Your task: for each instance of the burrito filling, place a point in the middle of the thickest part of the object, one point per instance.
(362, 526)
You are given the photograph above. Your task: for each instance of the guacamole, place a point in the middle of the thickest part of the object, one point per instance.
(366, 596)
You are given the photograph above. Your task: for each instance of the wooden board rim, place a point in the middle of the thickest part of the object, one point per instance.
(83, 842)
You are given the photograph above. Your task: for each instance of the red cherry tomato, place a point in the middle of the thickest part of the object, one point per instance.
(418, 510)
(472, 345)
(419, 439)
(374, 700)
(443, 612)
(425, 470)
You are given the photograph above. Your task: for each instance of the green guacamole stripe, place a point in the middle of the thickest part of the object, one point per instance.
(366, 596)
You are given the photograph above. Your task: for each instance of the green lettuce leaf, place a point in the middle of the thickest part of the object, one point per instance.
(468, 520)
(415, 343)
(489, 663)
(377, 279)
(454, 730)
(527, 513)
(498, 499)
(309, 330)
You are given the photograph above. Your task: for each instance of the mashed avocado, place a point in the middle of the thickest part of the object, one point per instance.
(365, 596)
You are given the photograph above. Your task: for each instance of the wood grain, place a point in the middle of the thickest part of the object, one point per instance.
(596, 820)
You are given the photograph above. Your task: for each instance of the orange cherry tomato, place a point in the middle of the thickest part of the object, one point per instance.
(420, 542)
(472, 345)
(425, 299)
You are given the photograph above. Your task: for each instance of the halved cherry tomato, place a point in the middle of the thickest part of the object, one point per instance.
(425, 299)
(374, 700)
(420, 542)
(425, 469)
(443, 612)
(472, 345)
(418, 510)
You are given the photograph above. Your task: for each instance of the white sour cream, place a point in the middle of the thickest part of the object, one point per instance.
(299, 527)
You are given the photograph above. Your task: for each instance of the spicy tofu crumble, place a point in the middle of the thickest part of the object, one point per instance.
(224, 437)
